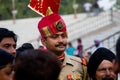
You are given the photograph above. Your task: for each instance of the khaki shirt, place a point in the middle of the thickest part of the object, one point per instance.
(72, 66)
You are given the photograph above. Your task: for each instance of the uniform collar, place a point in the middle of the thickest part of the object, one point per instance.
(67, 60)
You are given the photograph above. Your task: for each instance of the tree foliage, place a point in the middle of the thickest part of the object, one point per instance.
(66, 7)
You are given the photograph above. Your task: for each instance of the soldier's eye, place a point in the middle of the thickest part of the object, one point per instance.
(54, 36)
(64, 35)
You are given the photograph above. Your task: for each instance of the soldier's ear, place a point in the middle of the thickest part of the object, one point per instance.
(43, 40)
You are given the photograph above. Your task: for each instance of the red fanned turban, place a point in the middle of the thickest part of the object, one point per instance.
(52, 22)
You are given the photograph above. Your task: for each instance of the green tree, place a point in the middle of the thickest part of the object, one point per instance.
(66, 7)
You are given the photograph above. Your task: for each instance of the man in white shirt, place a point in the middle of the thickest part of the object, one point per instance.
(87, 6)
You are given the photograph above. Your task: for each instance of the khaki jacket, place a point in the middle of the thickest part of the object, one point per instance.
(72, 68)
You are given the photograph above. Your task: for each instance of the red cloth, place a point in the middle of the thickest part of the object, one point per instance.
(41, 6)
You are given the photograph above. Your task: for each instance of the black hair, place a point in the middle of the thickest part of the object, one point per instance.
(24, 47)
(7, 33)
(37, 65)
(5, 58)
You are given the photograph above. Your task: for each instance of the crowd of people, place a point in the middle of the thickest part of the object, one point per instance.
(56, 61)
(53, 63)
(79, 50)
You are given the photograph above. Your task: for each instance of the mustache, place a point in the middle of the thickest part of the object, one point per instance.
(60, 44)
(107, 78)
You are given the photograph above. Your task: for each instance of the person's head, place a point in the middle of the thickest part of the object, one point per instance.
(6, 60)
(24, 47)
(8, 40)
(79, 40)
(53, 32)
(37, 65)
(100, 65)
(69, 44)
(118, 51)
(27, 46)
(97, 42)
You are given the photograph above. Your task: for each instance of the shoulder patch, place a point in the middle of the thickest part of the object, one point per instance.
(84, 61)
(75, 59)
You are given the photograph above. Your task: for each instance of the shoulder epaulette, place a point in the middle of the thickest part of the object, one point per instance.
(84, 61)
(76, 59)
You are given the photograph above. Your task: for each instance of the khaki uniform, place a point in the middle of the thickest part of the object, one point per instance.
(72, 68)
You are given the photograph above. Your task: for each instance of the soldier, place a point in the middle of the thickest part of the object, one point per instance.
(54, 37)
(8, 40)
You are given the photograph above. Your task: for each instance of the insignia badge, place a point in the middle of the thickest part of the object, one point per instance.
(69, 77)
(77, 76)
(59, 25)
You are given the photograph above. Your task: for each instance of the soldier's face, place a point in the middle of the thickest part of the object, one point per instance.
(9, 45)
(105, 71)
(56, 43)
